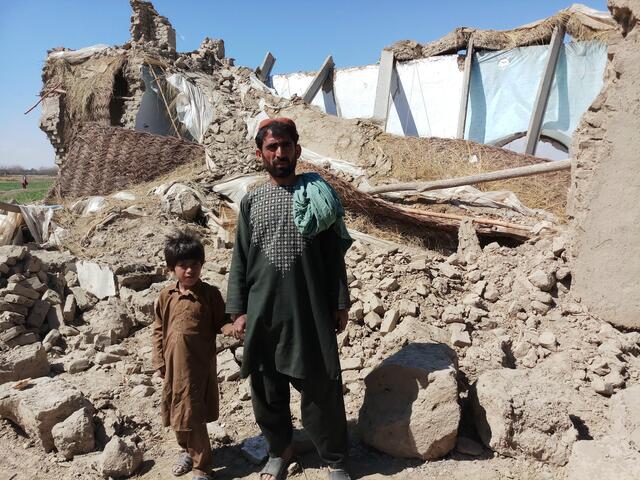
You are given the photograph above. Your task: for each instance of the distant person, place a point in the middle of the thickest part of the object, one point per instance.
(25, 182)
(188, 314)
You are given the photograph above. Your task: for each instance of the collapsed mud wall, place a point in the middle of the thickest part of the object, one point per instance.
(606, 183)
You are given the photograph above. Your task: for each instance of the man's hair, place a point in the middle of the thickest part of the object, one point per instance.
(278, 129)
(181, 247)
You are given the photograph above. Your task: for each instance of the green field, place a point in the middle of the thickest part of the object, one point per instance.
(11, 189)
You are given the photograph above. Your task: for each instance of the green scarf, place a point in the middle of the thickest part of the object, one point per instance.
(317, 207)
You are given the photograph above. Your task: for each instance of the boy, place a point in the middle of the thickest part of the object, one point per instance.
(187, 316)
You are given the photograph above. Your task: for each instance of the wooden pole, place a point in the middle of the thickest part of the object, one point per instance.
(318, 80)
(480, 178)
(466, 83)
(9, 207)
(383, 88)
(540, 106)
(264, 70)
(166, 104)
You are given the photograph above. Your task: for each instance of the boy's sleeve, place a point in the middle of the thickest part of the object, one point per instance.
(219, 317)
(157, 355)
(237, 286)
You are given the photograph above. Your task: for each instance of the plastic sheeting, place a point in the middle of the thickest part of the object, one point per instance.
(504, 85)
(80, 55)
(192, 106)
(37, 219)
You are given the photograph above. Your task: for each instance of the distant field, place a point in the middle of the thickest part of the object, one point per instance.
(11, 188)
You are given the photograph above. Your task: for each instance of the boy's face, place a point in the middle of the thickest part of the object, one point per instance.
(188, 272)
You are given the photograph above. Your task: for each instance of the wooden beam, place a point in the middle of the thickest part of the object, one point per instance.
(264, 70)
(383, 88)
(9, 207)
(469, 180)
(466, 83)
(319, 79)
(540, 106)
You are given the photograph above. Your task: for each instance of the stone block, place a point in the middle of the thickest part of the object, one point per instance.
(121, 457)
(36, 409)
(29, 361)
(38, 313)
(410, 408)
(74, 435)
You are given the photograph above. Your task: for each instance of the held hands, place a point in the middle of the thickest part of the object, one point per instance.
(239, 326)
(342, 317)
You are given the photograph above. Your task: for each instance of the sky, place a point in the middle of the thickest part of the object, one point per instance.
(300, 34)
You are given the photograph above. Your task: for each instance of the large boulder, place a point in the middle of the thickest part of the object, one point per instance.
(519, 412)
(110, 316)
(74, 435)
(624, 414)
(603, 459)
(28, 361)
(120, 458)
(41, 405)
(411, 406)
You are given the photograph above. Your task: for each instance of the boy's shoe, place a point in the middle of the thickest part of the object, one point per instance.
(183, 464)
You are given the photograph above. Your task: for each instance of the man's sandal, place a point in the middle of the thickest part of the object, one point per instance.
(275, 466)
(183, 465)
(338, 474)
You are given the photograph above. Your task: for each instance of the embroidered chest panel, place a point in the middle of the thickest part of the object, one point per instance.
(272, 229)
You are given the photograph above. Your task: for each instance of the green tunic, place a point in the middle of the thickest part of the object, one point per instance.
(290, 287)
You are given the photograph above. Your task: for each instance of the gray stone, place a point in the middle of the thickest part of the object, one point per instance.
(410, 408)
(55, 317)
(491, 293)
(255, 449)
(142, 391)
(468, 244)
(24, 291)
(9, 319)
(389, 321)
(389, 284)
(84, 300)
(33, 283)
(38, 313)
(78, 365)
(542, 280)
(228, 369)
(453, 314)
(603, 459)
(408, 308)
(518, 413)
(74, 435)
(110, 317)
(52, 297)
(29, 361)
(624, 413)
(460, 339)
(12, 333)
(18, 299)
(69, 309)
(548, 340)
(26, 338)
(107, 358)
(54, 261)
(217, 433)
(52, 338)
(12, 307)
(120, 458)
(372, 320)
(38, 408)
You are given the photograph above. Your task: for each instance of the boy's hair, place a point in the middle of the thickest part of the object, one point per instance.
(182, 246)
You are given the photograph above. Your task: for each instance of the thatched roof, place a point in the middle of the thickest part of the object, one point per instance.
(104, 159)
(580, 22)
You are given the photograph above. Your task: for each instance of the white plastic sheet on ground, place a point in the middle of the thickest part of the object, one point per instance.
(88, 206)
(9, 223)
(192, 106)
(37, 219)
(504, 85)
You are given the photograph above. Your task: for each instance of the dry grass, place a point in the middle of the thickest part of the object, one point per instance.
(426, 159)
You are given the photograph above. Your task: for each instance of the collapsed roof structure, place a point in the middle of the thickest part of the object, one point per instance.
(117, 116)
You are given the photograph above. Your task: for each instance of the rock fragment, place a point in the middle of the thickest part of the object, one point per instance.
(121, 457)
(74, 435)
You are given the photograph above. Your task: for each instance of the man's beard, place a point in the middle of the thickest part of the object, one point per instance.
(280, 172)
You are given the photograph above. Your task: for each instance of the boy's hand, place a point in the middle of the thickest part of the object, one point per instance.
(227, 329)
(239, 326)
(342, 317)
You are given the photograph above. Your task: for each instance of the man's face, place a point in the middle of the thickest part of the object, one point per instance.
(279, 155)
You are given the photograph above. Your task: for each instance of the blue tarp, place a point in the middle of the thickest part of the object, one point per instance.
(504, 85)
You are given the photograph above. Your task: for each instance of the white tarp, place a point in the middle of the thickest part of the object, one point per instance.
(192, 106)
(88, 206)
(504, 85)
(80, 55)
(37, 219)
(96, 279)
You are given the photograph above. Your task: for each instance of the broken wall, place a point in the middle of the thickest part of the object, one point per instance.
(605, 199)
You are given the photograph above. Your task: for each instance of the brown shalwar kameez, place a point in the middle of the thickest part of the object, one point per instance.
(184, 343)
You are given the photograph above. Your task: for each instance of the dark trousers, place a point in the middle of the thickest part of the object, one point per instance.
(322, 408)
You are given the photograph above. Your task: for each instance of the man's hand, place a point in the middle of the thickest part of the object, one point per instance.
(239, 326)
(342, 317)
(160, 372)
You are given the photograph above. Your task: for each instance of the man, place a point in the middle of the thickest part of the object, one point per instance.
(289, 296)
